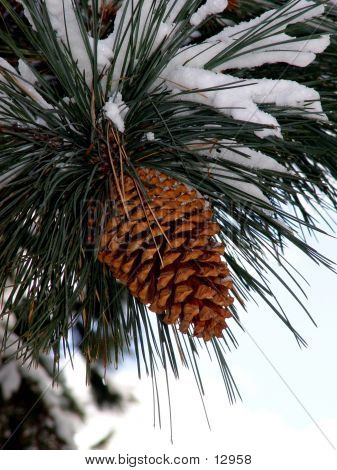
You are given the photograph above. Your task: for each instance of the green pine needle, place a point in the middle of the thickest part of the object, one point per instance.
(52, 171)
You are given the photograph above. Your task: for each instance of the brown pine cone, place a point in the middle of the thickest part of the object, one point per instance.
(163, 250)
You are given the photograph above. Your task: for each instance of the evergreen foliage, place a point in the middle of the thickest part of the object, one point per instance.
(54, 142)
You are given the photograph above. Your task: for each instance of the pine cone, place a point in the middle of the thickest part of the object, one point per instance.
(163, 250)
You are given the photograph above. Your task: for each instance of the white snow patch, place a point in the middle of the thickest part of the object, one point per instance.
(173, 9)
(64, 21)
(239, 98)
(115, 109)
(258, 45)
(22, 84)
(123, 31)
(290, 13)
(10, 379)
(26, 72)
(232, 151)
(246, 190)
(150, 136)
(211, 7)
(53, 398)
(27, 14)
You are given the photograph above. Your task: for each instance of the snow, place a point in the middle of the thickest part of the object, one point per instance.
(10, 379)
(99, 422)
(278, 49)
(173, 9)
(27, 88)
(292, 12)
(246, 190)
(232, 151)
(186, 71)
(65, 422)
(13, 371)
(124, 33)
(211, 7)
(258, 45)
(289, 94)
(115, 109)
(150, 136)
(239, 98)
(64, 21)
(52, 396)
(104, 52)
(27, 14)
(191, 76)
(26, 72)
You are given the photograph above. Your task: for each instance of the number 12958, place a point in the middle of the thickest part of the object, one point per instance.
(233, 459)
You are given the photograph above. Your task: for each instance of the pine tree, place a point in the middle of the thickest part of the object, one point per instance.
(154, 154)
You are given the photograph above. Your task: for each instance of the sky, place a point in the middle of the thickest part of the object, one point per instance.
(288, 414)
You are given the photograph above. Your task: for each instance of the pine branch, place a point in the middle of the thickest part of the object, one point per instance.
(98, 96)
